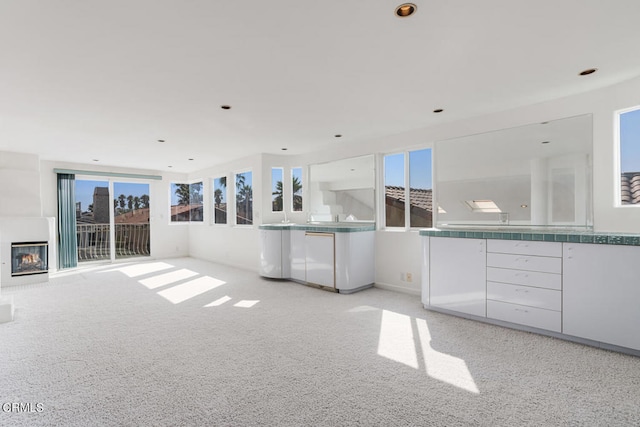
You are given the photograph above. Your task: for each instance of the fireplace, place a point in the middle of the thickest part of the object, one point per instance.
(29, 258)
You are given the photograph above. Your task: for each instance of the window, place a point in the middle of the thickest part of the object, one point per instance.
(629, 136)
(186, 202)
(412, 206)
(276, 189)
(394, 193)
(220, 200)
(244, 198)
(296, 189)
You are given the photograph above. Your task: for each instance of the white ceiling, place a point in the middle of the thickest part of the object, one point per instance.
(84, 79)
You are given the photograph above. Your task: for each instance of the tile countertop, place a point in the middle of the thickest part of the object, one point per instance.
(329, 227)
(568, 236)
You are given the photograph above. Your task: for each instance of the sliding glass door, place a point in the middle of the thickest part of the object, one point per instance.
(93, 221)
(112, 219)
(131, 219)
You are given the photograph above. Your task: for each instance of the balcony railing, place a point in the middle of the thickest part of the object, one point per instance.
(94, 241)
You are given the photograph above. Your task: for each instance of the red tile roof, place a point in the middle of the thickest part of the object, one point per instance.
(630, 188)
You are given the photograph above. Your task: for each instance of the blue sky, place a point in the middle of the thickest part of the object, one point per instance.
(419, 169)
(84, 190)
(630, 141)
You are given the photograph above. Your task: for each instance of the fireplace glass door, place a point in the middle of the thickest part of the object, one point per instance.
(29, 258)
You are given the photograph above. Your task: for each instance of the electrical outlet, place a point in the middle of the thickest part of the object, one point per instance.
(409, 277)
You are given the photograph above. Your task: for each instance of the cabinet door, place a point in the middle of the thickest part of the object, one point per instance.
(271, 253)
(297, 255)
(458, 274)
(320, 258)
(601, 292)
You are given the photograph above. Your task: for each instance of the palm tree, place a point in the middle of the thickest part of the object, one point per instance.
(122, 199)
(245, 197)
(130, 202)
(277, 202)
(136, 202)
(145, 200)
(296, 185)
(240, 179)
(217, 197)
(182, 191)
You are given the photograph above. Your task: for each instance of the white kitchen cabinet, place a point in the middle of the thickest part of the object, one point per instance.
(320, 259)
(601, 293)
(355, 254)
(458, 275)
(274, 262)
(297, 256)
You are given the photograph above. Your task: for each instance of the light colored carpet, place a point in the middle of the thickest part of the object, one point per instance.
(134, 345)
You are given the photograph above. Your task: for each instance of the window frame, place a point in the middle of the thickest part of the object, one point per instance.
(213, 201)
(407, 190)
(189, 183)
(617, 170)
(235, 202)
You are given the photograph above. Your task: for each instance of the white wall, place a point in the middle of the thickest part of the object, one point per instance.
(19, 185)
(167, 240)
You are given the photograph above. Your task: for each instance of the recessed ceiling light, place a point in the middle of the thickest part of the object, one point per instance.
(406, 9)
(588, 71)
(524, 206)
(161, 140)
(338, 136)
(284, 149)
(225, 107)
(545, 142)
(169, 166)
(96, 160)
(190, 159)
(438, 110)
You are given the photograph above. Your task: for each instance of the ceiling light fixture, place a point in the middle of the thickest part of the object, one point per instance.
(96, 160)
(438, 110)
(190, 159)
(284, 149)
(225, 107)
(338, 136)
(406, 9)
(545, 142)
(588, 71)
(161, 140)
(524, 206)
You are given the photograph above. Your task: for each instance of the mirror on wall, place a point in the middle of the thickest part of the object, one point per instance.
(343, 190)
(533, 175)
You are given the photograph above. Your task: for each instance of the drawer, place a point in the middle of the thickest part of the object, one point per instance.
(529, 278)
(525, 295)
(525, 247)
(525, 262)
(523, 315)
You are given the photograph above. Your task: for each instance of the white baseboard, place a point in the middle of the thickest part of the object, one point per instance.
(396, 288)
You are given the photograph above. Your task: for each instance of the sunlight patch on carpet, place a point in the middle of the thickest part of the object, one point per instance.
(396, 339)
(219, 301)
(167, 278)
(246, 303)
(142, 269)
(190, 289)
(444, 367)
